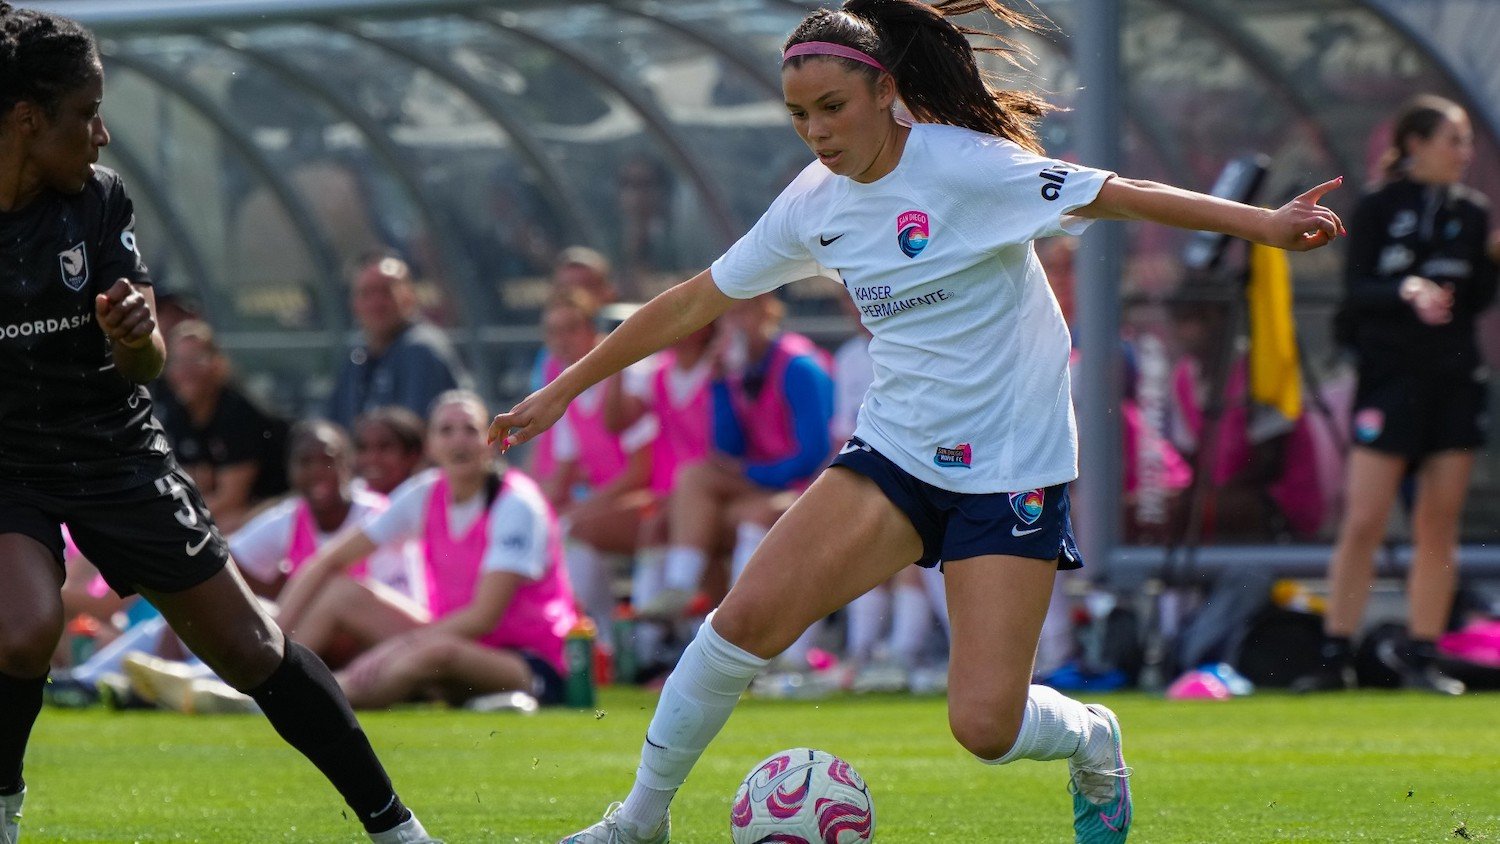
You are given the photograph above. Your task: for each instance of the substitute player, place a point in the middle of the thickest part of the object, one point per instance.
(78, 444)
(966, 442)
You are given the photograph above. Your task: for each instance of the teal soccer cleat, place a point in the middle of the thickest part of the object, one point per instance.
(1101, 796)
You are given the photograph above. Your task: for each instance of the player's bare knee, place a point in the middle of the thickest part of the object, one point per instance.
(27, 641)
(247, 660)
(987, 733)
(759, 630)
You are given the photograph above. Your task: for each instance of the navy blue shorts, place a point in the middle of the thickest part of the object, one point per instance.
(546, 683)
(1031, 523)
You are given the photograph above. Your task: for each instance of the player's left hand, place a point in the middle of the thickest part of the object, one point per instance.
(1303, 224)
(535, 414)
(124, 315)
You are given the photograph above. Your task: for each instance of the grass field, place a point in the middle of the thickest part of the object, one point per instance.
(1379, 767)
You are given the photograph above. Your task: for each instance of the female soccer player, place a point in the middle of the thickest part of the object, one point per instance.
(966, 441)
(78, 444)
(1417, 277)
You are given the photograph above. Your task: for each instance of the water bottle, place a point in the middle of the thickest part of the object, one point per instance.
(578, 653)
(83, 631)
(627, 663)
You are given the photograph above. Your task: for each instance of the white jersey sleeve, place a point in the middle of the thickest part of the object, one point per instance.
(774, 252)
(1025, 196)
(260, 547)
(518, 533)
(407, 513)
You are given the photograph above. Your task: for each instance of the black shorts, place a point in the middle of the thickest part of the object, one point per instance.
(1416, 414)
(546, 683)
(158, 537)
(1031, 523)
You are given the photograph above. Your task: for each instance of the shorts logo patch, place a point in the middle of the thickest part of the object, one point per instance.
(74, 262)
(959, 457)
(912, 233)
(1028, 505)
(1368, 423)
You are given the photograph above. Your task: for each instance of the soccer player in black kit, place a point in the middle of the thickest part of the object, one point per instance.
(1418, 276)
(78, 444)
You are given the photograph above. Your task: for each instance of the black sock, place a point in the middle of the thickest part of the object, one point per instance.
(1420, 653)
(306, 706)
(20, 703)
(1336, 651)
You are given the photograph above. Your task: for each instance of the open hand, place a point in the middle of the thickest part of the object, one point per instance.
(124, 315)
(535, 414)
(1303, 224)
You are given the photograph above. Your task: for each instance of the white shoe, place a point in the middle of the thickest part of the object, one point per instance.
(609, 831)
(503, 702)
(928, 680)
(408, 832)
(879, 677)
(10, 817)
(667, 605)
(177, 686)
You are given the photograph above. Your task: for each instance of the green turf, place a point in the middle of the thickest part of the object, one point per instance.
(1359, 767)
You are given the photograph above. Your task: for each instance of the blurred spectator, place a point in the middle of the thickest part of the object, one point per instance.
(1418, 275)
(234, 450)
(388, 447)
(500, 602)
(644, 193)
(402, 360)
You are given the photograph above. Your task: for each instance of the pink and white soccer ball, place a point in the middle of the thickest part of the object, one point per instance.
(802, 796)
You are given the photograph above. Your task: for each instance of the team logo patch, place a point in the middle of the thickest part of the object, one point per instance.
(959, 457)
(1368, 423)
(75, 266)
(1028, 504)
(912, 233)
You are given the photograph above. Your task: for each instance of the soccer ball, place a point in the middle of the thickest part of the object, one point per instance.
(802, 796)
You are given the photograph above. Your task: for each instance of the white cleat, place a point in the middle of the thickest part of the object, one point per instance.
(176, 686)
(10, 817)
(611, 831)
(408, 832)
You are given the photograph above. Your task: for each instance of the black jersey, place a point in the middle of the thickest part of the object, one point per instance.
(69, 423)
(1438, 232)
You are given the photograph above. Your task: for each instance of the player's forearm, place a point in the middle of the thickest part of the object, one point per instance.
(140, 364)
(659, 323)
(1135, 199)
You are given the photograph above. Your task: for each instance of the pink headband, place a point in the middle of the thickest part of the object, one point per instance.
(828, 48)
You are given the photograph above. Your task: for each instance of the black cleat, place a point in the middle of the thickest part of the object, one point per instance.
(1419, 674)
(1329, 678)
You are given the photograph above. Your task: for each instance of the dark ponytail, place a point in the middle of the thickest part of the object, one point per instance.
(1420, 117)
(42, 58)
(933, 62)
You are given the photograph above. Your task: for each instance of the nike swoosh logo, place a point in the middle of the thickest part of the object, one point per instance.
(758, 792)
(1015, 530)
(850, 448)
(192, 550)
(827, 240)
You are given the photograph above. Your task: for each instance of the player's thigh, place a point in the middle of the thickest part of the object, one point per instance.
(1374, 477)
(840, 539)
(996, 606)
(31, 612)
(612, 524)
(372, 612)
(1442, 486)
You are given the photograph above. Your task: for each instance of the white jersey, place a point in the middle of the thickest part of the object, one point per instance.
(970, 350)
(853, 373)
(260, 548)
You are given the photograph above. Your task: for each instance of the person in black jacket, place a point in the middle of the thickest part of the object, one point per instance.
(79, 444)
(1419, 273)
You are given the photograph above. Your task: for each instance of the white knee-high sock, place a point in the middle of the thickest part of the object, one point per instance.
(647, 579)
(589, 573)
(684, 568)
(911, 621)
(747, 538)
(695, 703)
(867, 615)
(1053, 727)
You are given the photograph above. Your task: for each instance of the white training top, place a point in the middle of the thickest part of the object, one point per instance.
(261, 546)
(970, 350)
(518, 522)
(853, 373)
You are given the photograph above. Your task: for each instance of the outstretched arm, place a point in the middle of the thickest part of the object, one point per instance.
(1299, 225)
(659, 323)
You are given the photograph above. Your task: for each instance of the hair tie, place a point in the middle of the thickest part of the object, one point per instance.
(828, 48)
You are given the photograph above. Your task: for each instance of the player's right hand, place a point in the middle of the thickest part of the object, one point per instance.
(535, 414)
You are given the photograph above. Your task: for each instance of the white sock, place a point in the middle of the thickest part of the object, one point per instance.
(684, 568)
(646, 582)
(589, 573)
(694, 704)
(1053, 727)
(867, 615)
(747, 538)
(911, 621)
